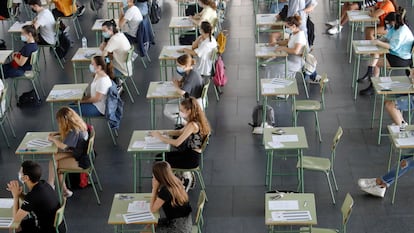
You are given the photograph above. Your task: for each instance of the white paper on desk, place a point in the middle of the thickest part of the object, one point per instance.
(55, 94)
(138, 217)
(385, 79)
(38, 143)
(285, 138)
(138, 207)
(357, 17)
(6, 203)
(272, 86)
(5, 222)
(405, 141)
(293, 216)
(284, 205)
(364, 42)
(275, 144)
(367, 48)
(265, 50)
(282, 81)
(138, 144)
(155, 143)
(395, 128)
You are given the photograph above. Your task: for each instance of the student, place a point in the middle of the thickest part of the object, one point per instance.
(168, 193)
(44, 22)
(399, 40)
(203, 48)
(209, 13)
(191, 82)
(348, 6)
(21, 59)
(381, 9)
(130, 21)
(142, 6)
(41, 202)
(65, 8)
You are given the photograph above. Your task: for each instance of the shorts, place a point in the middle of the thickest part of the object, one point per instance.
(401, 103)
(396, 61)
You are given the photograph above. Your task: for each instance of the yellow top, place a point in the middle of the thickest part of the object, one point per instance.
(65, 6)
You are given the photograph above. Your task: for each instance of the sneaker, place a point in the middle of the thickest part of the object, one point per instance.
(335, 30)
(332, 23)
(81, 10)
(366, 183)
(67, 193)
(375, 190)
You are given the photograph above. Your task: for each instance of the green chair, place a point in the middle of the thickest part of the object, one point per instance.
(59, 216)
(90, 171)
(75, 20)
(346, 211)
(124, 78)
(13, 12)
(324, 165)
(314, 106)
(4, 108)
(54, 46)
(204, 96)
(199, 221)
(203, 148)
(391, 69)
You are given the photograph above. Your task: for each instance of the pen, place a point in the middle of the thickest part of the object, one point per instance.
(305, 204)
(26, 149)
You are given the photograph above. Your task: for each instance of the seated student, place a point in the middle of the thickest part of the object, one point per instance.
(202, 49)
(21, 59)
(208, 13)
(348, 6)
(44, 22)
(41, 202)
(381, 9)
(399, 40)
(64, 8)
(168, 193)
(191, 83)
(72, 141)
(130, 21)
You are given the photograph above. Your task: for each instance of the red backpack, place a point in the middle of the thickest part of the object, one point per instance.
(220, 78)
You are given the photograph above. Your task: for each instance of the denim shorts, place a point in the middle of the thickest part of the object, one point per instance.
(402, 103)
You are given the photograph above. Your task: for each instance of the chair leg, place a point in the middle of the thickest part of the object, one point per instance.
(143, 63)
(15, 83)
(296, 122)
(4, 134)
(125, 85)
(58, 58)
(201, 180)
(334, 179)
(133, 83)
(304, 85)
(202, 160)
(41, 86)
(10, 125)
(36, 91)
(97, 178)
(110, 132)
(94, 188)
(330, 187)
(317, 126)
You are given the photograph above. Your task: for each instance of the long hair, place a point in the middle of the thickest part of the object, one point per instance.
(395, 17)
(207, 28)
(196, 115)
(209, 3)
(163, 174)
(69, 120)
(107, 67)
(30, 29)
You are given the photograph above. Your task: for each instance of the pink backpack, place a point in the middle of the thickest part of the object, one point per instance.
(220, 78)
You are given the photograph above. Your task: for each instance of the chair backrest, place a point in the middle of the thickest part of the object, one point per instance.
(34, 61)
(57, 31)
(335, 142)
(322, 85)
(205, 143)
(129, 59)
(200, 208)
(346, 211)
(204, 94)
(59, 215)
(91, 142)
(4, 98)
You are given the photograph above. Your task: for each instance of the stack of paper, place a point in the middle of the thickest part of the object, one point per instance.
(405, 141)
(282, 81)
(284, 205)
(5, 222)
(165, 89)
(291, 216)
(265, 50)
(394, 85)
(64, 94)
(361, 17)
(171, 51)
(138, 207)
(152, 143)
(285, 138)
(39, 143)
(367, 48)
(6, 203)
(138, 217)
(267, 19)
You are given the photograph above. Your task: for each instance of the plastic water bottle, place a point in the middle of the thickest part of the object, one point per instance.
(84, 43)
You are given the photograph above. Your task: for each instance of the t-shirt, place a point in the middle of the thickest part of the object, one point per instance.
(65, 7)
(27, 51)
(77, 142)
(170, 211)
(298, 38)
(133, 18)
(401, 41)
(46, 23)
(208, 14)
(101, 85)
(3, 100)
(193, 84)
(387, 7)
(295, 61)
(204, 52)
(41, 202)
(119, 45)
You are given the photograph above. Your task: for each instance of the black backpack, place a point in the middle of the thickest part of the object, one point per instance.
(257, 116)
(28, 99)
(155, 12)
(64, 44)
(311, 31)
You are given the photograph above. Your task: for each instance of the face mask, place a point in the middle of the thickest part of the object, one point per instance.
(106, 35)
(23, 38)
(20, 177)
(288, 30)
(180, 70)
(183, 115)
(388, 26)
(91, 68)
(34, 11)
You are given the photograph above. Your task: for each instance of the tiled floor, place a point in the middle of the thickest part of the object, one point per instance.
(234, 160)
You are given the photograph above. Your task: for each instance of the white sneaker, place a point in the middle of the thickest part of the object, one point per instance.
(367, 182)
(335, 30)
(375, 190)
(332, 23)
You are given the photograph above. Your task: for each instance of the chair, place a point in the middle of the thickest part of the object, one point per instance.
(113, 132)
(203, 148)
(346, 211)
(129, 75)
(59, 216)
(75, 20)
(13, 11)
(54, 46)
(199, 221)
(313, 105)
(325, 165)
(4, 108)
(32, 75)
(391, 69)
(204, 96)
(90, 171)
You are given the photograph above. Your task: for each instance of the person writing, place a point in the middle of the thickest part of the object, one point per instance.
(380, 10)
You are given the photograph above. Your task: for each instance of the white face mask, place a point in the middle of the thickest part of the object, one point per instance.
(20, 177)
(92, 68)
(288, 30)
(183, 115)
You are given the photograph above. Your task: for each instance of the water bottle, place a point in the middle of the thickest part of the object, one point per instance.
(84, 43)
(403, 133)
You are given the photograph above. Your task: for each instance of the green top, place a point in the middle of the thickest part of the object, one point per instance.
(8, 213)
(120, 206)
(181, 22)
(162, 89)
(70, 92)
(262, 50)
(169, 52)
(361, 16)
(291, 89)
(388, 88)
(404, 141)
(22, 149)
(302, 143)
(139, 135)
(367, 47)
(306, 202)
(268, 20)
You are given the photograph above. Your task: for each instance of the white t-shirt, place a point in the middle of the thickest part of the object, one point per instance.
(204, 52)
(298, 38)
(3, 101)
(46, 23)
(133, 18)
(101, 85)
(119, 46)
(209, 15)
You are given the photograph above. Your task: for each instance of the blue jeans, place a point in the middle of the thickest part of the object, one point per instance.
(143, 7)
(10, 72)
(389, 178)
(88, 110)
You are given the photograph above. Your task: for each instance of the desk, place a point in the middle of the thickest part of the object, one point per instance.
(81, 57)
(7, 213)
(359, 17)
(268, 20)
(306, 202)
(285, 144)
(4, 54)
(16, 28)
(120, 207)
(66, 93)
(365, 47)
(180, 23)
(404, 87)
(167, 58)
(114, 5)
(157, 91)
(97, 28)
(138, 151)
(263, 52)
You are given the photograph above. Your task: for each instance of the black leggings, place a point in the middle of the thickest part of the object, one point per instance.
(182, 159)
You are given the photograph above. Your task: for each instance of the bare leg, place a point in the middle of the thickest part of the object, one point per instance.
(395, 114)
(67, 163)
(273, 37)
(58, 157)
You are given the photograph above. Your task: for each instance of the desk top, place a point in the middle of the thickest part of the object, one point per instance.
(305, 201)
(265, 51)
(24, 149)
(268, 20)
(114, 1)
(169, 52)
(97, 26)
(181, 22)
(17, 26)
(392, 85)
(367, 47)
(286, 141)
(4, 54)
(7, 213)
(162, 89)
(269, 88)
(67, 92)
(137, 142)
(85, 55)
(361, 16)
(402, 142)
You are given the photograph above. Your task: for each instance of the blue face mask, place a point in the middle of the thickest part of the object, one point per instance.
(106, 35)
(23, 38)
(91, 68)
(388, 26)
(180, 70)
(288, 30)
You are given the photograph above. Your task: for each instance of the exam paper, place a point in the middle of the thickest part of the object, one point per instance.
(405, 141)
(284, 205)
(385, 79)
(62, 94)
(367, 48)
(38, 143)
(395, 128)
(6, 203)
(138, 144)
(138, 206)
(275, 144)
(5, 222)
(291, 216)
(137, 217)
(285, 138)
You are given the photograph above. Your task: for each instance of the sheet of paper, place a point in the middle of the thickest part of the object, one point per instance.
(152, 143)
(268, 90)
(38, 143)
(267, 19)
(395, 128)
(361, 17)
(282, 81)
(367, 48)
(385, 79)
(138, 144)
(285, 138)
(275, 144)
(62, 94)
(272, 85)
(365, 42)
(137, 217)
(5, 222)
(6, 203)
(138, 207)
(284, 205)
(405, 141)
(291, 216)
(265, 50)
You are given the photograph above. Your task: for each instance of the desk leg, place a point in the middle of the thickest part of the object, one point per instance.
(373, 111)
(51, 114)
(384, 67)
(97, 38)
(139, 173)
(380, 121)
(295, 120)
(409, 109)
(356, 76)
(390, 158)
(396, 176)
(135, 172)
(74, 72)
(267, 167)
(153, 228)
(270, 170)
(351, 37)
(257, 80)
(115, 229)
(264, 108)
(152, 113)
(257, 32)
(79, 108)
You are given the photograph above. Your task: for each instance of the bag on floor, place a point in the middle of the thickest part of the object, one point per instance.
(64, 44)
(155, 12)
(28, 99)
(220, 78)
(257, 116)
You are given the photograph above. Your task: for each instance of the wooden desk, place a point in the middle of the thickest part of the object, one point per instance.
(305, 202)
(97, 28)
(120, 206)
(16, 28)
(283, 145)
(268, 20)
(167, 58)
(138, 152)
(114, 5)
(82, 59)
(4, 54)
(180, 23)
(395, 85)
(66, 93)
(159, 91)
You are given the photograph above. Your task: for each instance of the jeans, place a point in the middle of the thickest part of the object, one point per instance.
(389, 178)
(88, 110)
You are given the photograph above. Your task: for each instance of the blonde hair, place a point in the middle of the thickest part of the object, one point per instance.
(68, 120)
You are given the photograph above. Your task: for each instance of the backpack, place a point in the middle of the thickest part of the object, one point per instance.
(309, 64)
(28, 99)
(187, 38)
(64, 44)
(3, 44)
(220, 78)
(221, 42)
(155, 12)
(257, 116)
(311, 31)
(192, 9)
